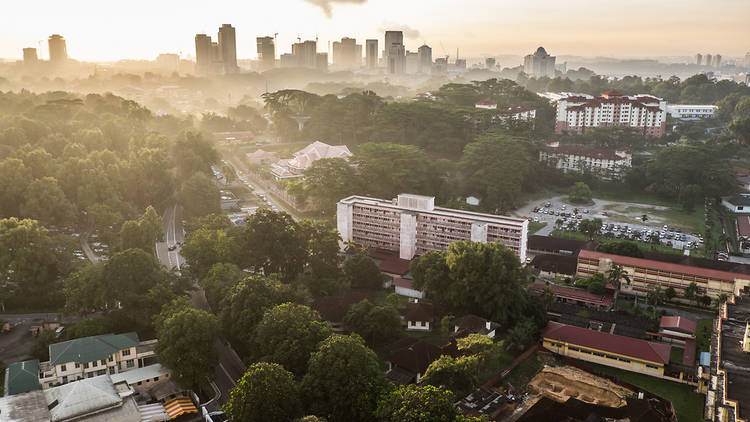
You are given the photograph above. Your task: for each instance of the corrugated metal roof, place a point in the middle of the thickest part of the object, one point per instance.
(89, 349)
(21, 377)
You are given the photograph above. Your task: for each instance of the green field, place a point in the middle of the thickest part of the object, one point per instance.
(688, 405)
(703, 335)
(535, 227)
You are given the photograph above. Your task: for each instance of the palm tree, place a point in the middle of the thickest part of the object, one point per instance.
(616, 275)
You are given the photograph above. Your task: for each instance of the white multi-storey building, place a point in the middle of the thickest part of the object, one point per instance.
(578, 112)
(605, 163)
(413, 225)
(692, 112)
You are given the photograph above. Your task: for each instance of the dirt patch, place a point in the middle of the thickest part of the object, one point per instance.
(565, 382)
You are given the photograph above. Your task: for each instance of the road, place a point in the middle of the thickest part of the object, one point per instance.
(230, 367)
(15, 345)
(259, 190)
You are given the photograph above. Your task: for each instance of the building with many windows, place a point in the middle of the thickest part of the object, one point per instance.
(692, 112)
(540, 64)
(412, 225)
(580, 112)
(605, 163)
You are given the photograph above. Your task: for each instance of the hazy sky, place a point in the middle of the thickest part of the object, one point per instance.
(141, 29)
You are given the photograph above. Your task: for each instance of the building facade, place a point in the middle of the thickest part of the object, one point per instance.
(58, 50)
(579, 112)
(29, 56)
(345, 53)
(371, 53)
(540, 64)
(646, 274)
(266, 52)
(413, 225)
(692, 112)
(424, 63)
(394, 52)
(605, 163)
(228, 47)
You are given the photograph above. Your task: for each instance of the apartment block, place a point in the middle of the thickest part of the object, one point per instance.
(412, 225)
(579, 112)
(605, 163)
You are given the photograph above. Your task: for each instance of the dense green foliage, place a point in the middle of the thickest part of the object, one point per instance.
(376, 324)
(412, 403)
(267, 392)
(454, 374)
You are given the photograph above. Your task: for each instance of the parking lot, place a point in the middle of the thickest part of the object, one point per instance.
(619, 220)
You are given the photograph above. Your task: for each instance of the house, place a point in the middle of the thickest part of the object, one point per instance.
(260, 157)
(472, 324)
(22, 377)
(405, 287)
(738, 204)
(409, 357)
(577, 296)
(622, 352)
(418, 316)
(486, 104)
(88, 357)
(333, 308)
(304, 158)
(95, 399)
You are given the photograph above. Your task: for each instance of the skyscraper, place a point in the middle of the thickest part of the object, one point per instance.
(707, 60)
(58, 51)
(489, 63)
(345, 53)
(29, 56)
(321, 61)
(266, 52)
(717, 60)
(424, 63)
(698, 59)
(371, 52)
(228, 47)
(203, 54)
(305, 53)
(539, 64)
(394, 52)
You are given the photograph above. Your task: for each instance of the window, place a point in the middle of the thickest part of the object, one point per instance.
(63, 368)
(86, 365)
(78, 365)
(130, 363)
(111, 358)
(102, 362)
(65, 379)
(652, 366)
(156, 379)
(126, 352)
(111, 370)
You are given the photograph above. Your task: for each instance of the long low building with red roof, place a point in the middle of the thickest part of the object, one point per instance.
(712, 277)
(627, 353)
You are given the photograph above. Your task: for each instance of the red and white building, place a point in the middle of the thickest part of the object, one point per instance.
(605, 163)
(578, 112)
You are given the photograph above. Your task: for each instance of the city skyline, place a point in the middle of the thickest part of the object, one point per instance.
(477, 27)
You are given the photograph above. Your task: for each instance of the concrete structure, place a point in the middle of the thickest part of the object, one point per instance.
(203, 54)
(58, 50)
(413, 225)
(405, 287)
(489, 63)
(169, 62)
(713, 278)
(540, 64)
(743, 233)
(692, 112)
(29, 56)
(228, 47)
(698, 59)
(424, 59)
(321, 61)
(305, 53)
(486, 105)
(304, 158)
(738, 204)
(266, 52)
(371, 53)
(411, 64)
(95, 399)
(579, 112)
(394, 52)
(607, 164)
(345, 54)
(142, 379)
(622, 352)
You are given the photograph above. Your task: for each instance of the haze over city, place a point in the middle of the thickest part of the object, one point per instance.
(141, 29)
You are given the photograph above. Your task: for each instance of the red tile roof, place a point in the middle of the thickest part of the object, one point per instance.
(403, 283)
(743, 225)
(663, 266)
(575, 294)
(612, 343)
(418, 312)
(678, 323)
(688, 356)
(487, 102)
(394, 265)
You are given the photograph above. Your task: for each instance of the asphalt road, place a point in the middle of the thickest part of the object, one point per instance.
(174, 235)
(248, 182)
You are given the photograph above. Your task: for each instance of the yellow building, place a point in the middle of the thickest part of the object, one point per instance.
(626, 353)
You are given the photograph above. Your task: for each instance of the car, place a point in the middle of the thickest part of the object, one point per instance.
(548, 204)
(579, 216)
(683, 237)
(604, 213)
(665, 227)
(536, 219)
(171, 247)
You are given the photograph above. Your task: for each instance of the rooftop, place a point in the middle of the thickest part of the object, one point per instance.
(742, 200)
(140, 374)
(21, 377)
(418, 312)
(559, 264)
(743, 225)
(734, 361)
(89, 349)
(576, 294)
(612, 343)
(587, 151)
(415, 355)
(554, 244)
(678, 323)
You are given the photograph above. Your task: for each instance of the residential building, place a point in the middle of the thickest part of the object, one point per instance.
(540, 64)
(141, 379)
(698, 59)
(29, 56)
(409, 357)
(371, 53)
(577, 296)
(394, 52)
(266, 47)
(58, 50)
(412, 225)
(606, 163)
(692, 112)
(707, 60)
(305, 53)
(405, 287)
(228, 47)
(472, 324)
(418, 316)
(717, 61)
(321, 62)
(424, 59)
(411, 63)
(96, 399)
(489, 63)
(203, 54)
(520, 112)
(345, 53)
(168, 62)
(728, 388)
(260, 157)
(630, 354)
(579, 112)
(713, 278)
(22, 377)
(304, 158)
(486, 104)
(738, 204)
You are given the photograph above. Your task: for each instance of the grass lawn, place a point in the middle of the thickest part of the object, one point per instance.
(675, 355)
(687, 404)
(535, 227)
(526, 370)
(497, 360)
(703, 335)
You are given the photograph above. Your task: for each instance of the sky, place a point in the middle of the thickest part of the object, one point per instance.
(98, 30)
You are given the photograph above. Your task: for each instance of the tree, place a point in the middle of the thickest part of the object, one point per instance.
(655, 296)
(186, 343)
(200, 195)
(590, 227)
(204, 248)
(691, 292)
(723, 297)
(740, 127)
(40, 348)
(596, 284)
(705, 300)
(86, 289)
(620, 247)
(362, 272)
(376, 324)
(454, 374)
(580, 193)
(142, 233)
(218, 283)
(475, 344)
(412, 403)
(521, 335)
(670, 293)
(329, 180)
(288, 334)
(193, 154)
(322, 243)
(46, 202)
(267, 392)
(343, 367)
(131, 273)
(14, 178)
(616, 275)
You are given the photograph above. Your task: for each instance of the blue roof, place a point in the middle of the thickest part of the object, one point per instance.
(705, 359)
(22, 377)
